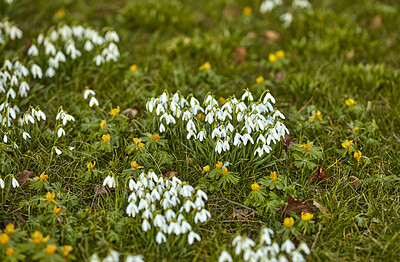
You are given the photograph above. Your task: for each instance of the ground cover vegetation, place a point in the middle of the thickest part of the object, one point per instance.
(199, 130)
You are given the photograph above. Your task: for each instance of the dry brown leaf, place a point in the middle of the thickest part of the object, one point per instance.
(271, 35)
(321, 208)
(297, 206)
(240, 53)
(99, 190)
(320, 176)
(288, 141)
(376, 22)
(23, 176)
(130, 113)
(170, 173)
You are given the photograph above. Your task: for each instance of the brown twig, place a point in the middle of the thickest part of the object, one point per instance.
(306, 104)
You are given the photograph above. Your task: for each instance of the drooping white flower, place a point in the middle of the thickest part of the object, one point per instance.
(225, 257)
(14, 182)
(193, 236)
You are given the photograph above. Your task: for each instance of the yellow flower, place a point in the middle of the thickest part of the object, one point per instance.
(10, 251)
(50, 197)
(66, 250)
(38, 238)
(90, 166)
(57, 210)
(10, 229)
(307, 146)
(279, 54)
(225, 170)
(156, 137)
(106, 138)
(221, 100)
(201, 116)
(4, 239)
(306, 216)
(247, 10)
(60, 13)
(347, 145)
(356, 129)
(260, 80)
(255, 186)
(138, 142)
(350, 102)
(288, 222)
(358, 156)
(42, 178)
(316, 116)
(133, 68)
(206, 168)
(135, 166)
(272, 58)
(205, 66)
(103, 123)
(218, 165)
(273, 176)
(51, 249)
(115, 111)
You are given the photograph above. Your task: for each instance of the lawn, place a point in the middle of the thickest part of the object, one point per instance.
(175, 130)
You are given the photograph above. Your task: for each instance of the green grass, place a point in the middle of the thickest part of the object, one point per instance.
(332, 52)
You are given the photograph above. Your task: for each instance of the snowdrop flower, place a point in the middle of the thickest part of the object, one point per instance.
(93, 102)
(248, 95)
(50, 72)
(2, 185)
(14, 182)
(145, 225)
(109, 181)
(60, 132)
(193, 236)
(138, 258)
(58, 151)
(25, 135)
(225, 257)
(36, 71)
(87, 93)
(132, 209)
(286, 18)
(160, 238)
(267, 6)
(99, 59)
(88, 46)
(266, 236)
(288, 246)
(297, 257)
(33, 51)
(301, 4)
(304, 247)
(162, 128)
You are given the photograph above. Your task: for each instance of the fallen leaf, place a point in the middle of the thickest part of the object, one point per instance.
(376, 22)
(23, 176)
(130, 113)
(271, 35)
(355, 182)
(99, 190)
(321, 208)
(288, 141)
(240, 53)
(170, 173)
(320, 176)
(297, 206)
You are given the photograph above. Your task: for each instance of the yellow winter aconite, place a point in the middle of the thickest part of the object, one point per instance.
(260, 80)
(218, 165)
(57, 210)
(50, 198)
(347, 144)
(60, 13)
(356, 129)
(272, 58)
(103, 123)
(133, 68)
(206, 168)
(221, 100)
(225, 170)
(306, 216)
(106, 138)
(51, 249)
(10, 251)
(279, 54)
(255, 186)
(66, 250)
(205, 66)
(316, 116)
(90, 166)
(138, 142)
(201, 116)
(358, 155)
(155, 137)
(135, 165)
(115, 111)
(38, 238)
(10, 229)
(247, 10)
(273, 176)
(350, 102)
(42, 178)
(4, 239)
(288, 222)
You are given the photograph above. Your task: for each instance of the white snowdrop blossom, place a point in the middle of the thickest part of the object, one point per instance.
(14, 182)
(114, 256)
(109, 181)
(237, 123)
(264, 249)
(168, 205)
